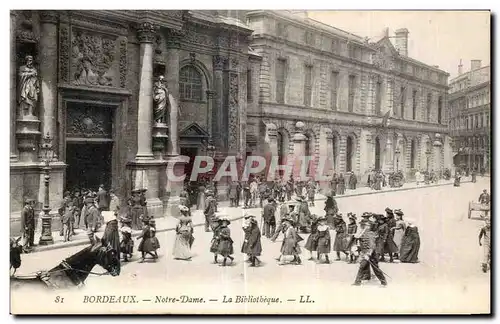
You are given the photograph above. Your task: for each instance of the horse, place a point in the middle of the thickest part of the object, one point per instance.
(73, 271)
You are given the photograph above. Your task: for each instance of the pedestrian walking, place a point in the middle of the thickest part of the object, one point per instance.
(331, 208)
(214, 244)
(390, 246)
(324, 243)
(312, 240)
(225, 247)
(399, 230)
(126, 243)
(252, 245)
(382, 234)
(146, 246)
(183, 236)
(311, 193)
(352, 229)
(92, 216)
(268, 215)
(209, 211)
(485, 234)
(290, 245)
(102, 199)
(368, 255)
(339, 244)
(68, 219)
(111, 233)
(304, 221)
(410, 244)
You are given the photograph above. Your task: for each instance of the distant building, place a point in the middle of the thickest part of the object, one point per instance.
(325, 92)
(470, 111)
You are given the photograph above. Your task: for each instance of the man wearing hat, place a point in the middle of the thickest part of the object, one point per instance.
(352, 229)
(28, 224)
(485, 234)
(252, 245)
(331, 208)
(340, 243)
(209, 211)
(367, 253)
(102, 199)
(484, 199)
(268, 215)
(91, 215)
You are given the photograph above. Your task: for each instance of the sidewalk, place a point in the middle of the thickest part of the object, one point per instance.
(166, 224)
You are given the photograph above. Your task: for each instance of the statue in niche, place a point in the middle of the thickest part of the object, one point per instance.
(29, 88)
(161, 100)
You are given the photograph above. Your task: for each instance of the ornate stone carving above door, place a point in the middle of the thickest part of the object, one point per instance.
(84, 121)
(95, 59)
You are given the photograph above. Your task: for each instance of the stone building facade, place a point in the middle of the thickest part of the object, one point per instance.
(470, 113)
(96, 73)
(327, 93)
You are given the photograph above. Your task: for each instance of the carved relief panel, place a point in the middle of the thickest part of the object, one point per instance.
(92, 58)
(89, 121)
(233, 111)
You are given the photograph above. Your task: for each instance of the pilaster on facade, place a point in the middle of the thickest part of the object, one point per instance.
(265, 78)
(323, 86)
(389, 96)
(342, 154)
(364, 93)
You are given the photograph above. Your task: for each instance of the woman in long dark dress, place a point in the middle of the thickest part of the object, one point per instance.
(410, 244)
(324, 243)
(111, 233)
(339, 244)
(225, 247)
(331, 208)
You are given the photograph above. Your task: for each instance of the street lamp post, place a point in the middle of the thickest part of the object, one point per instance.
(46, 236)
(397, 153)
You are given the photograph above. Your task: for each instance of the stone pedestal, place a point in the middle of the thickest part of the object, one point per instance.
(174, 165)
(28, 135)
(160, 137)
(146, 175)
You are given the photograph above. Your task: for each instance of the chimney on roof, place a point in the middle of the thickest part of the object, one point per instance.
(475, 64)
(460, 68)
(402, 41)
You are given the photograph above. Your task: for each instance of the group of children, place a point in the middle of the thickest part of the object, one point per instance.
(148, 245)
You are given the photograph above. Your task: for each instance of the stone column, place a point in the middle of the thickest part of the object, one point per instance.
(13, 86)
(48, 72)
(218, 108)
(388, 166)
(172, 77)
(326, 153)
(299, 151)
(436, 148)
(146, 34)
(272, 141)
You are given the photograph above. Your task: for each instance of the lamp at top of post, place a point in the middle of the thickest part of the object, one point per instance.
(46, 148)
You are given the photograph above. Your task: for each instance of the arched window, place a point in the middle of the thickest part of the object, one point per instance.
(190, 83)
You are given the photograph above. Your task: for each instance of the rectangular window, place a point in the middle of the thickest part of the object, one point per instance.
(351, 91)
(334, 84)
(308, 86)
(280, 81)
(402, 102)
(335, 46)
(414, 104)
(378, 97)
(249, 85)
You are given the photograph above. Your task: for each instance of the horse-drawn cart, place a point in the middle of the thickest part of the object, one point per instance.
(482, 208)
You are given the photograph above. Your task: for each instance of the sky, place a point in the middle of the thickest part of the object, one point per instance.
(436, 37)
